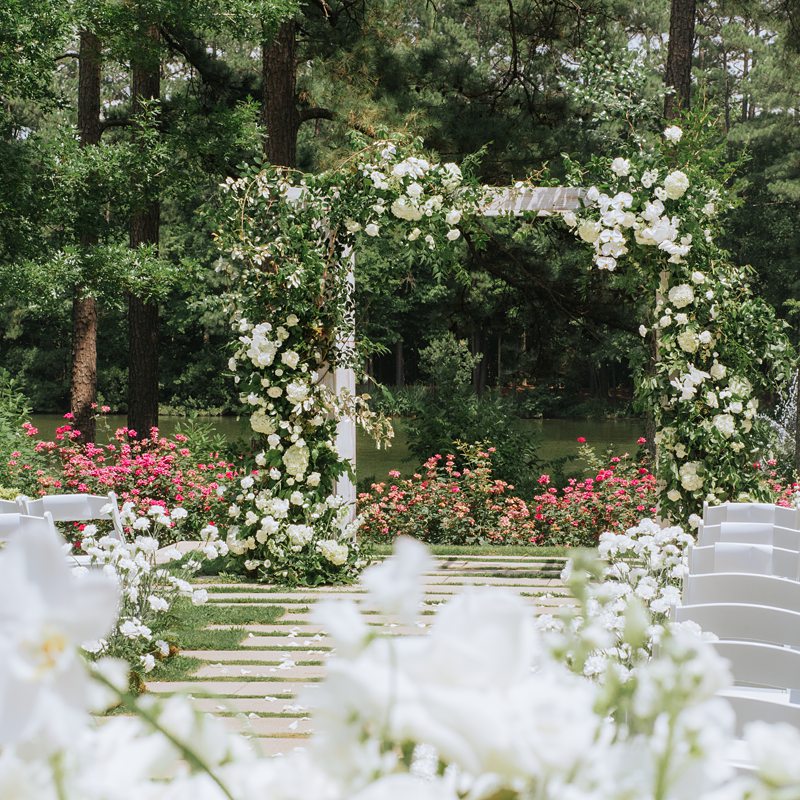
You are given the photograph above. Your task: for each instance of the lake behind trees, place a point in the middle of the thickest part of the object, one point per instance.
(557, 437)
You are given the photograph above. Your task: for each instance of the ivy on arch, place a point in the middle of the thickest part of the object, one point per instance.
(652, 218)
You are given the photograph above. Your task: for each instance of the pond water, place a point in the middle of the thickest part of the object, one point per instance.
(557, 437)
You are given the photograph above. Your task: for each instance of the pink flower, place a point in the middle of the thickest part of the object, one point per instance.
(581, 440)
(641, 440)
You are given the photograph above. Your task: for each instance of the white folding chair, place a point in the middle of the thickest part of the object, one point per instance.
(738, 587)
(745, 622)
(750, 533)
(761, 665)
(16, 524)
(80, 508)
(765, 708)
(751, 512)
(749, 558)
(12, 506)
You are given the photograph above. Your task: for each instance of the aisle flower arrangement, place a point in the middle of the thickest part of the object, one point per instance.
(155, 470)
(478, 709)
(149, 585)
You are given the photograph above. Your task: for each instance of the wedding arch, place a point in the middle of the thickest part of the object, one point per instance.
(290, 241)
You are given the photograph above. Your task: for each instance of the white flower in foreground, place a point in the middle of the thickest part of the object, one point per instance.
(372, 229)
(46, 612)
(394, 585)
(676, 184)
(295, 459)
(673, 134)
(453, 234)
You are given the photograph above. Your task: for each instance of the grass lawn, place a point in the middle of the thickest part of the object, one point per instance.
(189, 631)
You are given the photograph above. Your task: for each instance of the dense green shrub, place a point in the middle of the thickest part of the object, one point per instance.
(448, 411)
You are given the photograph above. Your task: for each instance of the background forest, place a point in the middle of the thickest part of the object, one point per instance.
(107, 203)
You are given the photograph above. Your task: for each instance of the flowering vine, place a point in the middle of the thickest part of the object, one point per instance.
(714, 346)
(289, 239)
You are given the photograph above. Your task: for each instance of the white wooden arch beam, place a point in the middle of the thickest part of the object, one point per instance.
(503, 201)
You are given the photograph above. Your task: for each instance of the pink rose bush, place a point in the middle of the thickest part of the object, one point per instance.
(618, 493)
(156, 470)
(443, 504)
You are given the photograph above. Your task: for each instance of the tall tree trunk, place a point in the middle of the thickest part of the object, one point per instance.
(399, 365)
(83, 372)
(679, 57)
(279, 114)
(144, 229)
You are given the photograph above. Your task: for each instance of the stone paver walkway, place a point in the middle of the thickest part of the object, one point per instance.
(255, 687)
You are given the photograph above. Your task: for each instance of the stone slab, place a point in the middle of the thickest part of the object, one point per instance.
(269, 726)
(264, 705)
(289, 670)
(278, 747)
(255, 688)
(258, 656)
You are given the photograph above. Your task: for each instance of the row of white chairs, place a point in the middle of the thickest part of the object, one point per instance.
(15, 515)
(744, 587)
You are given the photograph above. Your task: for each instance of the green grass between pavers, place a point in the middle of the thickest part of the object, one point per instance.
(515, 550)
(189, 632)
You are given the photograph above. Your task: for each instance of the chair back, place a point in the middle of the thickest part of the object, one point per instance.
(751, 512)
(750, 533)
(744, 622)
(766, 665)
(751, 708)
(79, 508)
(738, 557)
(737, 587)
(12, 506)
(20, 524)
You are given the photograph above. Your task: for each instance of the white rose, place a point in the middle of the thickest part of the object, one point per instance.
(589, 230)
(313, 479)
(698, 277)
(674, 495)
(705, 337)
(642, 330)
(621, 167)
(352, 226)
(414, 235)
(296, 498)
(453, 234)
(372, 229)
(718, 372)
(290, 359)
(736, 407)
(676, 184)
(688, 341)
(414, 190)
(725, 424)
(673, 134)
(295, 460)
(712, 401)
(274, 392)
(296, 392)
(453, 217)
(681, 296)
